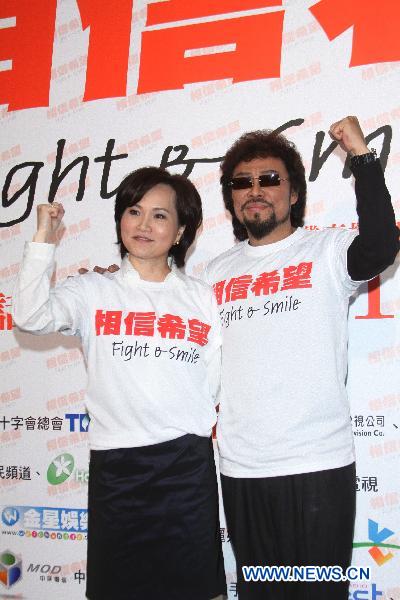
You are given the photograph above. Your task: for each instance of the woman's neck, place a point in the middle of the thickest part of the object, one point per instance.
(150, 270)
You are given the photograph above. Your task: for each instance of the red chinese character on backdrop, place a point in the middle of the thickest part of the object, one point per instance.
(266, 283)
(254, 44)
(180, 10)
(237, 288)
(171, 326)
(297, 276)
(5, 317)
(109, 321)
(374, 302)
(376, 27)
(30, 47)
(108, 51)
(198, 332)
(219, 290)
(140, 323)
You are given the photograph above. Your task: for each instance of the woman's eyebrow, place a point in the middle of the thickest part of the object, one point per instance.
(153, 209)
(161, 208)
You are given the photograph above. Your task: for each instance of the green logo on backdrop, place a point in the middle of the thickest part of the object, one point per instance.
(60, 469)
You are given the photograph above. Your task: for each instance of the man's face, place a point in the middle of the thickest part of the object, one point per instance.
(264, 210)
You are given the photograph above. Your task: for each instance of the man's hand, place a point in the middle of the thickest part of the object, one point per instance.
(101, 270)
(49, 217)
(347, 132)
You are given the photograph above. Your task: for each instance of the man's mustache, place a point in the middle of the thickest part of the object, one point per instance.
(255, 201)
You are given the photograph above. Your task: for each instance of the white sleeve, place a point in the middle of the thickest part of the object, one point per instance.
(340, 241)
(214, 374)
(213, 355)
(204, 276)
(39, 309)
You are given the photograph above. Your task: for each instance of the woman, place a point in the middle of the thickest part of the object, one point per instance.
(151, 340)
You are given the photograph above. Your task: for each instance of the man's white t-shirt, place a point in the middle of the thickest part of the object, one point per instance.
(283, 306)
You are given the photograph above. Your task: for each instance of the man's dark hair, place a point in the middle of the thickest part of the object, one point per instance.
(264, 144)
(187, 202)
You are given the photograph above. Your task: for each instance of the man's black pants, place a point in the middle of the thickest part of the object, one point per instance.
(305, 519)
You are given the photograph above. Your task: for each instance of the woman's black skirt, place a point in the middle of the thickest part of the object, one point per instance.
(153, 529)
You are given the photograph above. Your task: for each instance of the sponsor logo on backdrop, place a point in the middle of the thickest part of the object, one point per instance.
(79, 576)
(45, 522)
(10, 516)
(380, 546)
(43, 568)
(20, 472)
(371, 593)
(62, 467)
(367, 483)
(48, 573)
(368, 425)
(368, 592)
(78, 421)
(72, 421)
(10, 568)
(31, 423)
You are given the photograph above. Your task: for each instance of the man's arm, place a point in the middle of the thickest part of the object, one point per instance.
(377, 244)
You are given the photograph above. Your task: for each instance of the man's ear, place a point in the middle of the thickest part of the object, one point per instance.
(293, 197)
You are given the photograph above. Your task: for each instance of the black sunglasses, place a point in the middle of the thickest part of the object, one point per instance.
(270, 179)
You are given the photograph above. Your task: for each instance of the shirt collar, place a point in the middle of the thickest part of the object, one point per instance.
(129, 273)
(265, 249)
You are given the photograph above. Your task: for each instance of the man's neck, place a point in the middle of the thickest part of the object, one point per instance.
(274, 236)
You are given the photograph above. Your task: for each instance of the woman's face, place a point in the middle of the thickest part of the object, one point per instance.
(151, 227)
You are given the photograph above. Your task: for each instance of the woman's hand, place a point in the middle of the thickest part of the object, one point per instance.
(49, 217)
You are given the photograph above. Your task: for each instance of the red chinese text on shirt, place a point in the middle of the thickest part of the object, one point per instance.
(116, 322)
(264, 284)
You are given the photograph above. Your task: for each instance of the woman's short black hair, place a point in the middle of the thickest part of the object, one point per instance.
(187, 201)
(264, 144)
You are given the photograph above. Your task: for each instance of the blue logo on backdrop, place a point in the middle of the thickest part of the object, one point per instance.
(78, 421)
(10, 516)
(372, 594)
(46, 518)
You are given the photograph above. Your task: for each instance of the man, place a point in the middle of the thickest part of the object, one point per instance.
(284, 431)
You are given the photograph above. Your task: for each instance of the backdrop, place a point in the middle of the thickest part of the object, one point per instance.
(91, 90)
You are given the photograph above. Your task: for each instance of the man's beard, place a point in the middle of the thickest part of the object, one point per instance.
(259, 229)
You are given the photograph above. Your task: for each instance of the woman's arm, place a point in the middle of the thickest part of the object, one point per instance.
(37, 308)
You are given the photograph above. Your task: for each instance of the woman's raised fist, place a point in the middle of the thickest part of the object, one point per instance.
(49, 217)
